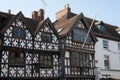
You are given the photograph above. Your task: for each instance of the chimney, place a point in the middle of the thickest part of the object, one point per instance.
(34, 15)
(38, 15)
(41, 14)
(9, 11)
(65, 11)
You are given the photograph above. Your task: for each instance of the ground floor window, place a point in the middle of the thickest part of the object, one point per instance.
(16, 59)
(44, 61)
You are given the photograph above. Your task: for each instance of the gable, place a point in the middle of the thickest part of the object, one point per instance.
(80, 33)
(16, 33)
(78, 37)
(82, 24)
(46, 37)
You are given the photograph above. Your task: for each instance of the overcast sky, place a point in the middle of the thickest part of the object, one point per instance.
(106, 10)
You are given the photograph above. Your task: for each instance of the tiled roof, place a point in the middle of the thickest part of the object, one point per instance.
(7, 17)
(31, 23)
(109, 33)
(65, 25)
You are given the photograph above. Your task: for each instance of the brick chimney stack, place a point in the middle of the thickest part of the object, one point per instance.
(65, 11)
(9, 11)
(38, 15)
(41, 14)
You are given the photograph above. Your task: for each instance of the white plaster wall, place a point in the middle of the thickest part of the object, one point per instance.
(112, 52)
(114, 57)
(114, 74)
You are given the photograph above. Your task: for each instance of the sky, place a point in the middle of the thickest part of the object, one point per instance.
(107, 11)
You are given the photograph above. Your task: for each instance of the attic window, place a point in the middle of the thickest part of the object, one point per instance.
(79, 35)
(18, 32)
(46, 37)
(101, 27)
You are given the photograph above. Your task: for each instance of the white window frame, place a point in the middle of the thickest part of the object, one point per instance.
(105, 44)
(118, 45)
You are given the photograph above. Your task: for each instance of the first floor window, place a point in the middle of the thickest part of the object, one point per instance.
(16, 59)
(105, 44)
(80, 59)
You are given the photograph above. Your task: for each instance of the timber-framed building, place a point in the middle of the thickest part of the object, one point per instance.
(37, 49)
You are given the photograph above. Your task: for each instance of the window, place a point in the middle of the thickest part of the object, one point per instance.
(80, 59)
(106, 62)
(118, 46)
(18, 32)
(16, 59)
(79, 35)
(45, 61)
(46, 37)
(101, 27)
(105, 44)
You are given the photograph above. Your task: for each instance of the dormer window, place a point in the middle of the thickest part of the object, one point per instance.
(46, 37)
(101, 27)
(18, 32)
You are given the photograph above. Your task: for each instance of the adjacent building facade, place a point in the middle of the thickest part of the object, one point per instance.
(37, 49)
(107, 55)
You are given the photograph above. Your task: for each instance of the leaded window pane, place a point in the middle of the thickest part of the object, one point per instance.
(80, 59)
(45, 61)
(18, 32)
(76, 34)
(16, 59)
(79, 35)
(46, 37)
